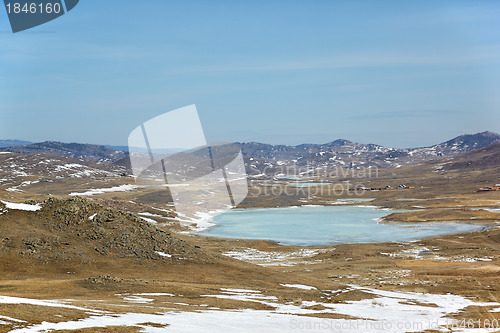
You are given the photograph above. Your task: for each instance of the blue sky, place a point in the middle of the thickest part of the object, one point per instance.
(396, 73)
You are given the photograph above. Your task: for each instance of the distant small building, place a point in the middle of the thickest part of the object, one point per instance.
(489, 188)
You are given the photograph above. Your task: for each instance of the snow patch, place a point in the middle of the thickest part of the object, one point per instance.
(121, 188)
(22, 206)
(414, 312)
(298, 286)
(268, 258)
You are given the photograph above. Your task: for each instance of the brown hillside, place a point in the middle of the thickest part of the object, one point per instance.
(82, 230)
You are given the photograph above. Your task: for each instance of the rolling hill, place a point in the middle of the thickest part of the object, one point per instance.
(261, 158)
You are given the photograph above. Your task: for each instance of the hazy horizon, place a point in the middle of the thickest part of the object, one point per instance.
(398, 74)
(239, 141)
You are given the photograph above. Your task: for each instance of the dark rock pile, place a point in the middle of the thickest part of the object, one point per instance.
(78, 228)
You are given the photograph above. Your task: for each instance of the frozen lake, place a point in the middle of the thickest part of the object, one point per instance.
(324, 225)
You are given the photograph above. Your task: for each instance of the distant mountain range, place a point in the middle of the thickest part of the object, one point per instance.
(12, 143)
(90, 152)
(272, 159)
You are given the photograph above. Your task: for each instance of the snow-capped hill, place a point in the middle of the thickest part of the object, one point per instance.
(470, 142)
(459, 145)
(479, 159)
(272, 159)
(19, 170)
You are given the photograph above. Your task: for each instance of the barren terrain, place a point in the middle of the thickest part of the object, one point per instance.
(120, 260)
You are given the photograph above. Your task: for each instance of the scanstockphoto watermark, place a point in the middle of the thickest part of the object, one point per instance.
(171, 151)
(347, 188)
(312, 171)
(325, 182)
(26, 14)
(365, 325)
(362, 325)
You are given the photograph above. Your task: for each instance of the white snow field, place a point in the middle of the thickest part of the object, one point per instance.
(386, 311)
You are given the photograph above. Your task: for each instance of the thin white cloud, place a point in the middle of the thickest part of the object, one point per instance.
(408, 114)
(489, 54)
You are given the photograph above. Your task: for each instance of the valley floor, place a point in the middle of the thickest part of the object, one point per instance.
(448, 283)
(439, 284)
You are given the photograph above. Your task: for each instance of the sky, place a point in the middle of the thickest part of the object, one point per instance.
(394, 73)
